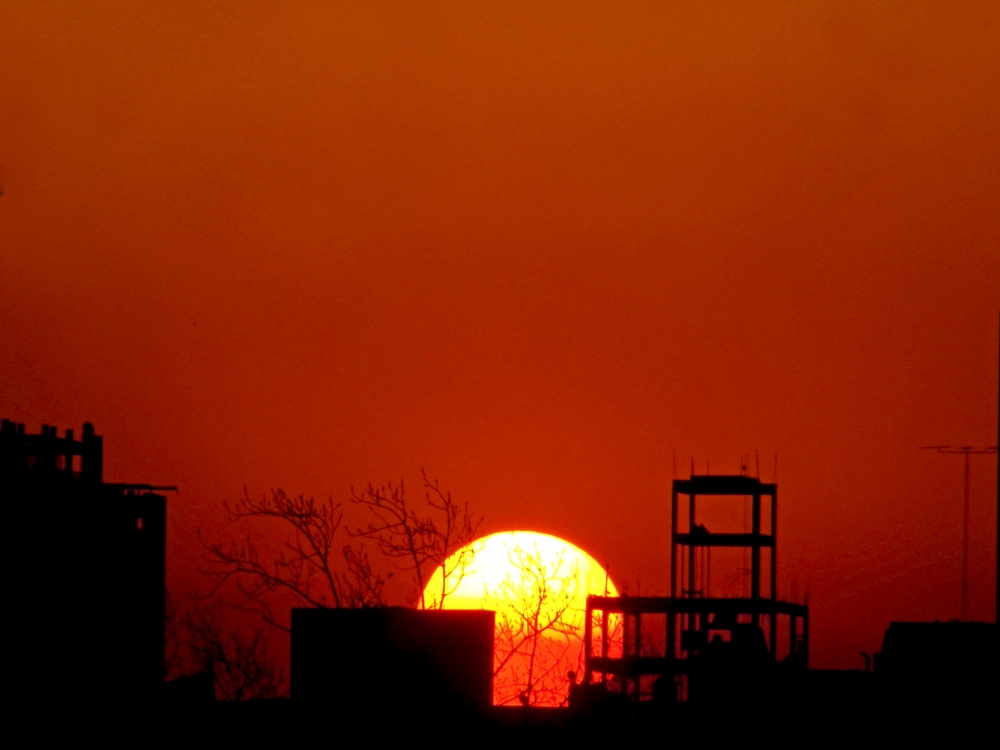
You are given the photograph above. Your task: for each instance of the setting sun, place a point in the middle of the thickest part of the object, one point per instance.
(538, 586)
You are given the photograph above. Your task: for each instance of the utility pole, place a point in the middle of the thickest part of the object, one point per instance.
(965, 450)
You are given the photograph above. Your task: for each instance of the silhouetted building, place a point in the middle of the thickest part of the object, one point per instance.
(386, 661)
(89, 570)
(939, 663)
(714, 649)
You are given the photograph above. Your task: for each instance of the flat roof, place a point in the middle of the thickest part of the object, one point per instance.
(723, 484)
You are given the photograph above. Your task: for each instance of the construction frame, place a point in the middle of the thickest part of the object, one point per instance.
(699, 629)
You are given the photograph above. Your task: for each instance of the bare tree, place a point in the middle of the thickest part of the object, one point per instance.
(537, 640)
(236, 663)
(239, 661)
(363, 585)
(421, 539)
(311, 567)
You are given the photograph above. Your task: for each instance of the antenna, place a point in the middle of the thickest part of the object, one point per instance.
(964, 450)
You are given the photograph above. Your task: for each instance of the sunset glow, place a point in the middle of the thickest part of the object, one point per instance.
(556, 254)
(526, 577)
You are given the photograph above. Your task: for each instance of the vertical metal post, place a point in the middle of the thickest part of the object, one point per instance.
(673, 543)
(604, 638)
(672, 615)
(965, 543)
(691, 550)
(792, 629)
(966, 451)
(805, 640)
(774, 543)
(755, 554)
(774, 571)
(708, 572)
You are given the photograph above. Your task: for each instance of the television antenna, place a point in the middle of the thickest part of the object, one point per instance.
(964, 450)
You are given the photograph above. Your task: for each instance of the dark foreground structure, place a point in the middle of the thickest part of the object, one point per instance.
(88, 631)
(690, 657)
(714, 650)
(90, 558)
(940, 664)
(394, 660)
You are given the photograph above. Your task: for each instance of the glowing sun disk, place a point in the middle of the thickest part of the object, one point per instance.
(538, 585)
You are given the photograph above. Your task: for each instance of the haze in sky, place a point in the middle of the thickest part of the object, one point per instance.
(536, 250)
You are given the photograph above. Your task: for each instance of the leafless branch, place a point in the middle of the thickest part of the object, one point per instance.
(421, 542)
(536, 633)
(303, 569)
(363, 586)
(239, 662)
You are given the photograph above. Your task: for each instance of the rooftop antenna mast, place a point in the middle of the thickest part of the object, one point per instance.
(964, 450)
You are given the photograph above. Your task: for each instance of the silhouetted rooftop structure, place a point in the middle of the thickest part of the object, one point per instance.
(383, 661)
(714, 649)
(939, 662)
(91, 568)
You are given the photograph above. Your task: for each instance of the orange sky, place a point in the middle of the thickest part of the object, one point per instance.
(533, 250)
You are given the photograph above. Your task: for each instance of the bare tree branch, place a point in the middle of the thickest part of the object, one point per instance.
(420, 542)
(310, 567)
(239, 663)
(363, 586)
(303, 569)
(536, 629)
(236, 663)
(459, 530)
